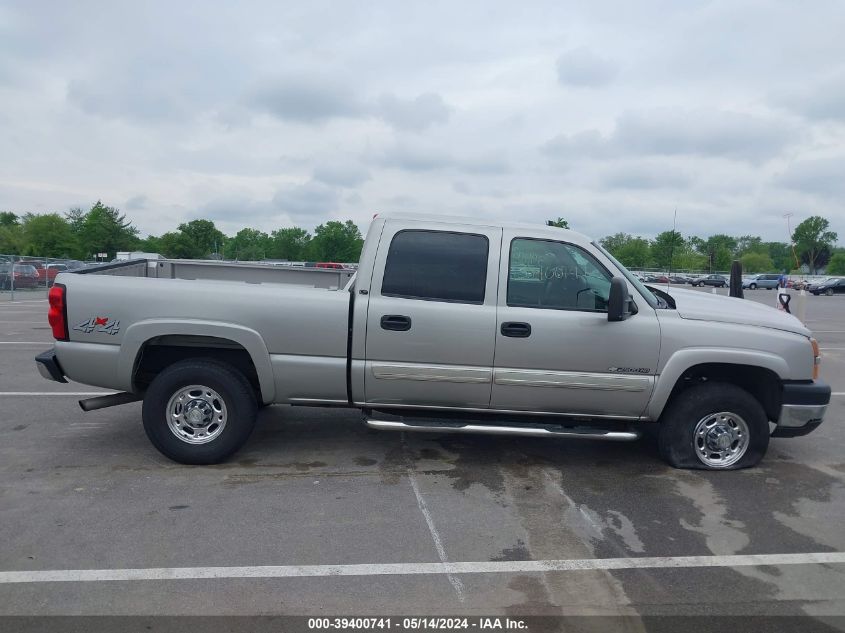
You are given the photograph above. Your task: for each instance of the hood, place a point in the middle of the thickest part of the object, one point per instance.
(704, 306)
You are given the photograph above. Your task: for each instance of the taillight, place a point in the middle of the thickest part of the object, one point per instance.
(817, 358)
(57, 315)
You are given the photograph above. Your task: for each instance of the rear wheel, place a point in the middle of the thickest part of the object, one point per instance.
(713, 426)
(199, 411)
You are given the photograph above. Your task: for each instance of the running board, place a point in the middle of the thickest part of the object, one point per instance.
(533, 430)
(110, 400)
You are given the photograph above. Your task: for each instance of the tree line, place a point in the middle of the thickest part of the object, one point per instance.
(82, 234)
(813, 244)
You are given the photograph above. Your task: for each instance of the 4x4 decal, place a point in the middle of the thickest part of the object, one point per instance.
(102, 325)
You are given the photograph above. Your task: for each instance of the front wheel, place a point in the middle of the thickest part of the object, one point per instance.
(829, 292)
(753, 287)
(713, 426)
(199, 411)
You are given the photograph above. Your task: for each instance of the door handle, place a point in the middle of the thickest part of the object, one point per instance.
(515, 329)
(396, 322)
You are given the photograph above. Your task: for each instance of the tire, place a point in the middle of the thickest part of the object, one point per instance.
(694, 408)
(829, 292)
(223, 398)
(752, 287)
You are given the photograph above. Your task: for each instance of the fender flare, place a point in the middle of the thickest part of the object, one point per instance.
(138, 334)
(683, 360)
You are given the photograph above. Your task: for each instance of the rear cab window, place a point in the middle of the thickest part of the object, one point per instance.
(436, 266)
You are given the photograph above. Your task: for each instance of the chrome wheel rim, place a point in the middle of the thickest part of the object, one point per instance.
(196, 414)
(720, 439)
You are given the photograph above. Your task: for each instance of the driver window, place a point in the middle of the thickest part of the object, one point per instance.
(554, 275)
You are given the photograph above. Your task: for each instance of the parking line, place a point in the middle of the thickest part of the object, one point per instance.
(56, 393)
(418, 569)
(25, 342)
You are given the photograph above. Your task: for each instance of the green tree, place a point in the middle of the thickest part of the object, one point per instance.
(199, 239)
(665, 247)
(104, 229)
(749, 244)
(11, 240)
(290, 244)
(636, 253)
(7, 218)
(248, 245)
(614, 243)
(812, 239)
(336, 241)
(47, 235)
(632, 252)
(836, 265)
(75, 218)
(718, 251)
(754, 262)
(559, 223)
(781, 254)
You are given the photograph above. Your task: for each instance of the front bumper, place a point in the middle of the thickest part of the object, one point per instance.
(803, 406)
(48, 366)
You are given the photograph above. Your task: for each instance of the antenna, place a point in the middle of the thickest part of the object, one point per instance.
(791, 243)
(672, 247)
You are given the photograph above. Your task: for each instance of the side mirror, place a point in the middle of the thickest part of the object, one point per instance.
(619, 301)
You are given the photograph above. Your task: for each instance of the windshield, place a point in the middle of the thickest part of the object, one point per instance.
(647, 294)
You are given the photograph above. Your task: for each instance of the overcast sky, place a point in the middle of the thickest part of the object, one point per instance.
(269, 114)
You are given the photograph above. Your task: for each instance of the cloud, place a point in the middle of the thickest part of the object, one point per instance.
(582, 68)
(341, 175)
(306, 99)
(413, 114)
(645, 175)
(137, 202)
(677, 132)
(311, 200)
(125, 99)
(818, 100)
(820, 176)
(423, 157)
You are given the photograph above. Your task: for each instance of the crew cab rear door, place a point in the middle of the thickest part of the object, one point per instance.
(432, 315)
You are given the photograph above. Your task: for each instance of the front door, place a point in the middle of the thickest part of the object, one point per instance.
(432, 316)
(555, 349)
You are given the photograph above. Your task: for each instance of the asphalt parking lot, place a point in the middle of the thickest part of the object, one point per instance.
(316, 488)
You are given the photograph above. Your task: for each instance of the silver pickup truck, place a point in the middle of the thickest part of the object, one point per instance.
(449, 325)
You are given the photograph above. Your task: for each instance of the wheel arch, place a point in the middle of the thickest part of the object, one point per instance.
(150, 345)
(759, 373)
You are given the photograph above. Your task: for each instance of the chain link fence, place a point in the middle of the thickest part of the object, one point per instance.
(30, 277)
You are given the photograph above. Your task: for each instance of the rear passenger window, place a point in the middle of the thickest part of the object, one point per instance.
(436, 265)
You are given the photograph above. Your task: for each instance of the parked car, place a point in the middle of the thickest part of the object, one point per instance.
(710, 280)
(333, 265)
(429, 336)
(830, 287)
(767, 281)
(25, 276)
(46, 274)
(678, 279)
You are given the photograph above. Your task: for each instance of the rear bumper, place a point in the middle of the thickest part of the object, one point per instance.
(48, 366)
(803, 407)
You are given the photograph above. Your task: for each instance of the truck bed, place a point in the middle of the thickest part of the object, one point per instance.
(331, 279)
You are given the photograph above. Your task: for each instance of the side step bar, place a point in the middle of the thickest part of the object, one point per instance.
(533, 430)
